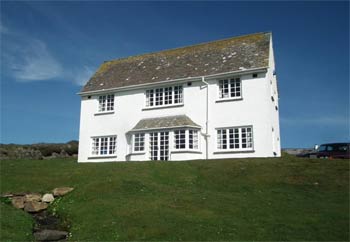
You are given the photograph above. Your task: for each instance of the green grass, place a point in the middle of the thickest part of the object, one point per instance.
(16, 225)
(243, 199)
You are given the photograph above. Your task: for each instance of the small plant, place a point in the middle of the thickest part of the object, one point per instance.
(5, 200)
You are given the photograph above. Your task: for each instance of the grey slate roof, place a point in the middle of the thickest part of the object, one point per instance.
(165, 122)
(233, 54)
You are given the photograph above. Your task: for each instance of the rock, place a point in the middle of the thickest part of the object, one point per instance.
(33, 197)
(34, 206)
(48, 198)
(60, 191)
(7, 195)
(50, 235)
(18, 202)
(63, 154)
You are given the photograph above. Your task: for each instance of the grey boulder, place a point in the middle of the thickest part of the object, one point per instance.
(50, 235)
(60, 191)
(34, 206)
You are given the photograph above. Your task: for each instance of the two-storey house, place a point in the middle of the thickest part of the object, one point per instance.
(207, 101)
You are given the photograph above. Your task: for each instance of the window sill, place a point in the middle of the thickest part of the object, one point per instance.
(103, 113)
(137, 153)
(165, 106)
(229, 99)
(102, 156)
(233, 151)
(186, 151)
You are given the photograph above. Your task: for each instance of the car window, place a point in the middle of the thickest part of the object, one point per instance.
(343, 148)
(322, 148)
(330, 148)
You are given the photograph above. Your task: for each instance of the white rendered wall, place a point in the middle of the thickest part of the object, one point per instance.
(254, 109)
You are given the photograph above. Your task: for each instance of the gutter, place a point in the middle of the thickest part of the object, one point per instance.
(184, 80)
(206, 135)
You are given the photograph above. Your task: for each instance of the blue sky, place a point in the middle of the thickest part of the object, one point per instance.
(50, 49)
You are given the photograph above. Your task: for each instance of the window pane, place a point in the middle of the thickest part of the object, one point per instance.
(235, 138)
(180, 139)
(139, 142)
(193, 139)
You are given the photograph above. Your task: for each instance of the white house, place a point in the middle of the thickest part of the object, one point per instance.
(207, 101)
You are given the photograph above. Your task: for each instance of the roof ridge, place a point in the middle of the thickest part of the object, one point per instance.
(185, 47)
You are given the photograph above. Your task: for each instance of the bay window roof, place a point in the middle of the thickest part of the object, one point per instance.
(178, 121)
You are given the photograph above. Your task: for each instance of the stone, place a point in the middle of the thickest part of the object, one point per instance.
(34, 206)
(60, 191)
(50, 235)
(18, 202)
(48, 198)
(33, 197)
(7, 195)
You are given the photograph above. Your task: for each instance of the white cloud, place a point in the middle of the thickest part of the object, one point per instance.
(3, 29)
(34, 62)
(28, 59)
(82, 76)
(326, 120)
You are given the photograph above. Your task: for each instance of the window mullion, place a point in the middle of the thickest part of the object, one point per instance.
(240, 138)
(187, 137)
(228, 139)
(108, 143)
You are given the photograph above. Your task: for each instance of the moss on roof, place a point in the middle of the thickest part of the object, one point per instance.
(249, 51)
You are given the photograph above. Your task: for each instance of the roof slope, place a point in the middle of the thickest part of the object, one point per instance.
(233, 54)
(165, 122)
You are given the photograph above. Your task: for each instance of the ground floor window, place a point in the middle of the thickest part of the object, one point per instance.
(105, 145)
(235, 138)
(159, 145)
(186, 139)
(139, 142)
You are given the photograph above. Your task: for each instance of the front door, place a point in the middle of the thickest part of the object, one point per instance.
(159, 145)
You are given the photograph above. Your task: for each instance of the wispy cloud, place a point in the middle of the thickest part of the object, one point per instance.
(3, 29)
(29, 59)
(82, 76)
(321, 120)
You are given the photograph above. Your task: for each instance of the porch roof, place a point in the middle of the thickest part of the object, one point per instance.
(177, 121)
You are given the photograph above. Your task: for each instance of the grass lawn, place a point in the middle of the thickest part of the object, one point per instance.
(242, 199)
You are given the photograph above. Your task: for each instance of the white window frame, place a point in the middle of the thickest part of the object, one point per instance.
(227, 141)
(106, 103)
(187, 135)
(138, 143)
(230, 89)
(164, 97)
(109, 144)
(180, 139)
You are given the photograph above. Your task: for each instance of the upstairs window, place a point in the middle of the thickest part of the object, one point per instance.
(230, 88)
(106, 103)
(235, 138)
(139, 142)
(164, 96)
(102, 146)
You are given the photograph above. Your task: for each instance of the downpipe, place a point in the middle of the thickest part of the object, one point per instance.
(206, 135)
